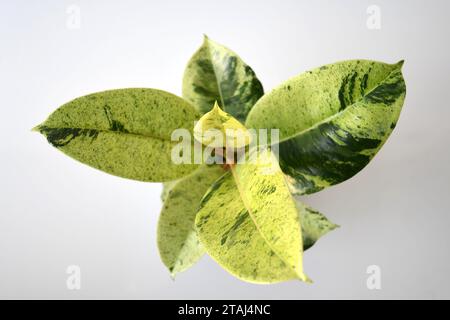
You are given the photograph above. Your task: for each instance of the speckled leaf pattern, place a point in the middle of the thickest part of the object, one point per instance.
(167, 186)
(178, 243)
(248, 223)
(314, 225)
(219, 124)
(332, 120)
(125, 132)
(215, 73)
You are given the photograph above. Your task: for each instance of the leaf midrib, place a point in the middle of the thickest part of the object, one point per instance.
(251, 215)
(38, 128)
(208, 49)
(317, 124)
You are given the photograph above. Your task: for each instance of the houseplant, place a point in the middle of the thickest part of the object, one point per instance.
(331, 121)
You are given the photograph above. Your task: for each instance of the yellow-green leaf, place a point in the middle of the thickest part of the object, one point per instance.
(178, 244)
(248, 222)
(125, 132)
(166, 187)
(332, 120)
(215, 73)
(314, 225)
(218, 129)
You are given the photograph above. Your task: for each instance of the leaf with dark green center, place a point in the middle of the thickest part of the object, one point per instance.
(178, 244)
(248, 222)
(125, 132)
(332, 120)
(215, 73)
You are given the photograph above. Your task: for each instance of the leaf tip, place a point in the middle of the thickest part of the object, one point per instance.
(216, 107)
(303, 277)
(400, 63)
(172, 272)
(36, 128)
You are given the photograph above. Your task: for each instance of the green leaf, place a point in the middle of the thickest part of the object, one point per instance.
(215, 73)
(219, 124)
(125, 132)
(314, 225)
(178, 244)
(332, 120)
(167, 186)
(248, 223)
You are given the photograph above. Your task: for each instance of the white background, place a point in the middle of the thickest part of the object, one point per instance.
(56, 212)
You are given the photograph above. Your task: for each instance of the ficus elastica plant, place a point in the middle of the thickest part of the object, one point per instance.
(329, 123)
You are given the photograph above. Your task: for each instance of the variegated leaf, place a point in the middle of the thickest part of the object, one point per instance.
(215, 73)
(314, 225)
(167, 186)
(125, 132)
(219, 124)
(248, 223)
(332, 120)
(178, 244)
